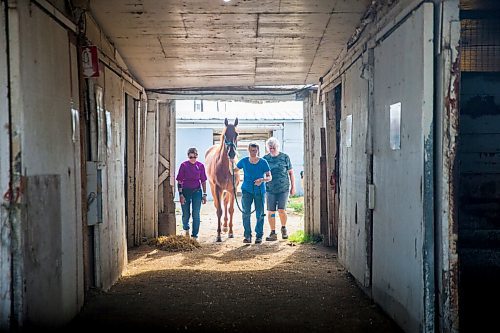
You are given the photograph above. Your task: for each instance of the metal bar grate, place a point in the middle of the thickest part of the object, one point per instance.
(480, 45)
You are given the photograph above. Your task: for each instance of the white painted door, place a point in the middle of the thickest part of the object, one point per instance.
(402, 171)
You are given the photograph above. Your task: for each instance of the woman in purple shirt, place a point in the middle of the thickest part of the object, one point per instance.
(191, 179)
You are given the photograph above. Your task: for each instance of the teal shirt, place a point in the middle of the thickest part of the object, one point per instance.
(252, 172)
(280, 165)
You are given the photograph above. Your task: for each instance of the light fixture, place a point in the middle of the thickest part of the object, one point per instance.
(227, 0)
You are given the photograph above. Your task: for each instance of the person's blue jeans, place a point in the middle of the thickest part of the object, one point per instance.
(193, 199)
(246, 201)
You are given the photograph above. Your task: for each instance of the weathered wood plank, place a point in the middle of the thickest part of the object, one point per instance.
(42, 233)
(313, 32)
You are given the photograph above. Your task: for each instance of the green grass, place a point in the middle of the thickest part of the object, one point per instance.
(297, 204)
(302, 238)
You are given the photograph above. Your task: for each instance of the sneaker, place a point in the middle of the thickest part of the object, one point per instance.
(272, 237)
(258, 240)
(194, 237)
(186, 233)
(284, 233)
(247, 240)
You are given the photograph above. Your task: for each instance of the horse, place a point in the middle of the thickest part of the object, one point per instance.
(220, 175)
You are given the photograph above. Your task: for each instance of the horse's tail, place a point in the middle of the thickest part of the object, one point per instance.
(225, 197)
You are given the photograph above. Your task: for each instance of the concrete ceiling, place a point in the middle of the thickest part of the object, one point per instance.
(211, 43)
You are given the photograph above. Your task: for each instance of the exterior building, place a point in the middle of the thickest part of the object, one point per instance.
(201, 128)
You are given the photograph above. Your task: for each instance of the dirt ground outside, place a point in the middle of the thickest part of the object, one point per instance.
(208, 226)
(235, 287)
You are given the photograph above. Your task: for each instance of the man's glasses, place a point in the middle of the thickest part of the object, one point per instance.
(192, 156)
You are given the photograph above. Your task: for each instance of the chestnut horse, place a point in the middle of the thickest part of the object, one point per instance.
(220, 175)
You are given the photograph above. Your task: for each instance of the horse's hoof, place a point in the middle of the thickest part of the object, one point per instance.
(230, 235)
(224, 229)
(219, 239)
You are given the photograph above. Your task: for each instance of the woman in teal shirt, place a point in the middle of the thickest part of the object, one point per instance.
(256, 173)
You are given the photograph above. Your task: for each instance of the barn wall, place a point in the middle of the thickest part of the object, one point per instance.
(111, 233)
(166, 165)
(108, 256)
(150, 224)
(399, 223)
(353, 187)
(52, 147)
(5, 228)
(313, 121)
(47, 223)
(50, 156)
(446, 128)
(107, 136)
(394, 259)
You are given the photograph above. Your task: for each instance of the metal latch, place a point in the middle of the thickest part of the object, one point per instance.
(371, 196)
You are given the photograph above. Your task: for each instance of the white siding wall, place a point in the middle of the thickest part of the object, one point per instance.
(293, 144)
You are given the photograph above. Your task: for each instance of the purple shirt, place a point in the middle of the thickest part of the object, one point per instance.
(191, 175)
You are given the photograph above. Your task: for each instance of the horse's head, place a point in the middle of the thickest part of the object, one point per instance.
(230, 136)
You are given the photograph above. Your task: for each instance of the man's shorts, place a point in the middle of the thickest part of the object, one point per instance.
(276, 200)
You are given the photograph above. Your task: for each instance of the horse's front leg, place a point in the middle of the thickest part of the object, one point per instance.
(219, 214)
(231, 211)
(226, 202)
(217, 203)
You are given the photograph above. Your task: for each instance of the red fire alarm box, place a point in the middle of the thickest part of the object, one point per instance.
(90, 61)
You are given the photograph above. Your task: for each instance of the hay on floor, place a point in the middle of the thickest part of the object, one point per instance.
(174, 243)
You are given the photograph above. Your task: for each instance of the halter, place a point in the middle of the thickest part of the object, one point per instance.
(229, 144)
